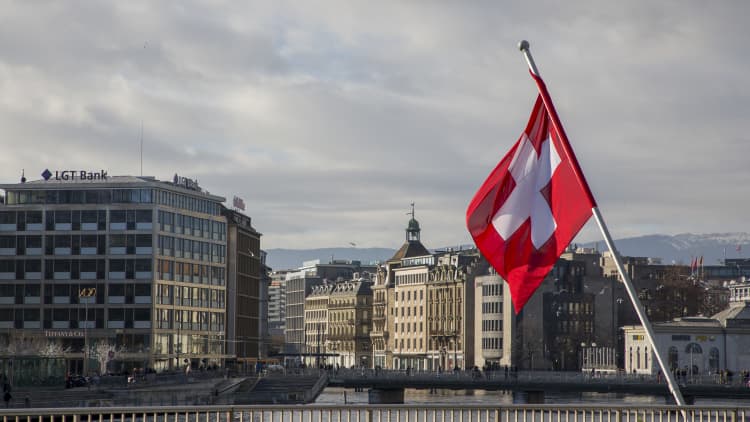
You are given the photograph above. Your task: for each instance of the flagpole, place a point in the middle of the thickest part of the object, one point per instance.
(672, 384)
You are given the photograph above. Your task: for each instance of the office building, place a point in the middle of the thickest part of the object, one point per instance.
(132, 267)
(245, 291)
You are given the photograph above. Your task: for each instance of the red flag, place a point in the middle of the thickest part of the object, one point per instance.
(532, 204)
(693, 264)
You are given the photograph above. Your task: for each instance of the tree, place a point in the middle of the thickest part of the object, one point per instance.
(104, 351)
(672, 294)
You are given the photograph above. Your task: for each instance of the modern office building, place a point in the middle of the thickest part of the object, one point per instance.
(132, 267)
(244, 289)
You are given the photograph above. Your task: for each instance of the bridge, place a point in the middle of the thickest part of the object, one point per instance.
(388, 386)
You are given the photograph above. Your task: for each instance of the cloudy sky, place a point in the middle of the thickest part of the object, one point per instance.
(330, 118)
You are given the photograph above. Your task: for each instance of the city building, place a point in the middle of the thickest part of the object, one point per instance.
(384, 327)
(382, 355)
(276, 311)
(317, 323)
(488, 321)
(350, 319)
(694, 345)
(424, 304)
(116, 272)
(556, 323)
(245, 290)
(299, 284)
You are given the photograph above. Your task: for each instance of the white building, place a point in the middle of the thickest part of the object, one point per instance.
(699, 345)
(488, 319)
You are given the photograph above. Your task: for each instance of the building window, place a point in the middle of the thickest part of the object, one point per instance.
(713, 360)
(673, 358)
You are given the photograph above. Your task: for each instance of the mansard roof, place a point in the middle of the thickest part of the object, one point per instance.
(410, 250)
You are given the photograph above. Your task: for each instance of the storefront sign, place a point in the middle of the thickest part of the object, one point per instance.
(63, 333)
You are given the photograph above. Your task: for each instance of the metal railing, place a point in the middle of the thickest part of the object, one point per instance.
(383, 413)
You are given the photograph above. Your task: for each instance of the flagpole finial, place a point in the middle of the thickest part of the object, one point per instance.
(523, 46)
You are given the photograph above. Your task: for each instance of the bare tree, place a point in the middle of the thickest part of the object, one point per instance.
(103, 352)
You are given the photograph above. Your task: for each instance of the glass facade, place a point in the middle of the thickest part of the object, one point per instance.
(139, 269)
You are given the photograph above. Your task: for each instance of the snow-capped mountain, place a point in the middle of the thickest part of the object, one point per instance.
(681, 248)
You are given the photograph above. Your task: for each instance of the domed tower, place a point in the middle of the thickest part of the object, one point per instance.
(413, 246)
(412, 230)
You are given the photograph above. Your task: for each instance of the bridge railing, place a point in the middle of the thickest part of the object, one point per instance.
(383, 413)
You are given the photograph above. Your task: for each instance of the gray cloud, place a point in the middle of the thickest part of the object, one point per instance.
(329, 118)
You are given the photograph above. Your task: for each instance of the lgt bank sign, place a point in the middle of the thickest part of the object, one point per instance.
(74, 175)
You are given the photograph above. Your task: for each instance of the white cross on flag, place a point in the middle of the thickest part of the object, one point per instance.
(532, 204)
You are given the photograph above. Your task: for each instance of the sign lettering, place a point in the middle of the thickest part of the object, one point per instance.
(186, 183)
(87, 292)
(74, 175)
(238, 203)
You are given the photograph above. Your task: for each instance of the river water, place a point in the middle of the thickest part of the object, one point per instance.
(340, 396)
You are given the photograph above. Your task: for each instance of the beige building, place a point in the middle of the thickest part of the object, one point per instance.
(379, 335)
(349, 322)
(316, 323)
(409, 311)
(427, 299)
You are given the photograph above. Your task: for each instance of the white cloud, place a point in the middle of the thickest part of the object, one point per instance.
(329, 118)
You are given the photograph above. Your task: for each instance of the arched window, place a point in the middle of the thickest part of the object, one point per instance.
(674, 356)
(713, 360)
(694, 348)
(630, 358)
(645, 357)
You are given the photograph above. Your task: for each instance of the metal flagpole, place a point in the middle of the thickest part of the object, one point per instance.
(673, 388)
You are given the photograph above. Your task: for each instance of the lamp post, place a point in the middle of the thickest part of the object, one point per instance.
(85, 294)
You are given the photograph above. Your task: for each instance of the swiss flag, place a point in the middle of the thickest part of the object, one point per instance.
(532, 204)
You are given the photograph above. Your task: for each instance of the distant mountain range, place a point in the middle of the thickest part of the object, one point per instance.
(680, 249)
(714, 247)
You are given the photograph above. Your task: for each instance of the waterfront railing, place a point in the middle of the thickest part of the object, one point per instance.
(384, 413)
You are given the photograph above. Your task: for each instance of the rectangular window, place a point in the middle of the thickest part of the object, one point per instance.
(117, 216)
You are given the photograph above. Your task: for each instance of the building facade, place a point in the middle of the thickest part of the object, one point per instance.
(696, 345)
(299, 284)
(119, 272)
(488, 321)
(350, 320)
(245, 290)
(317, 323)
